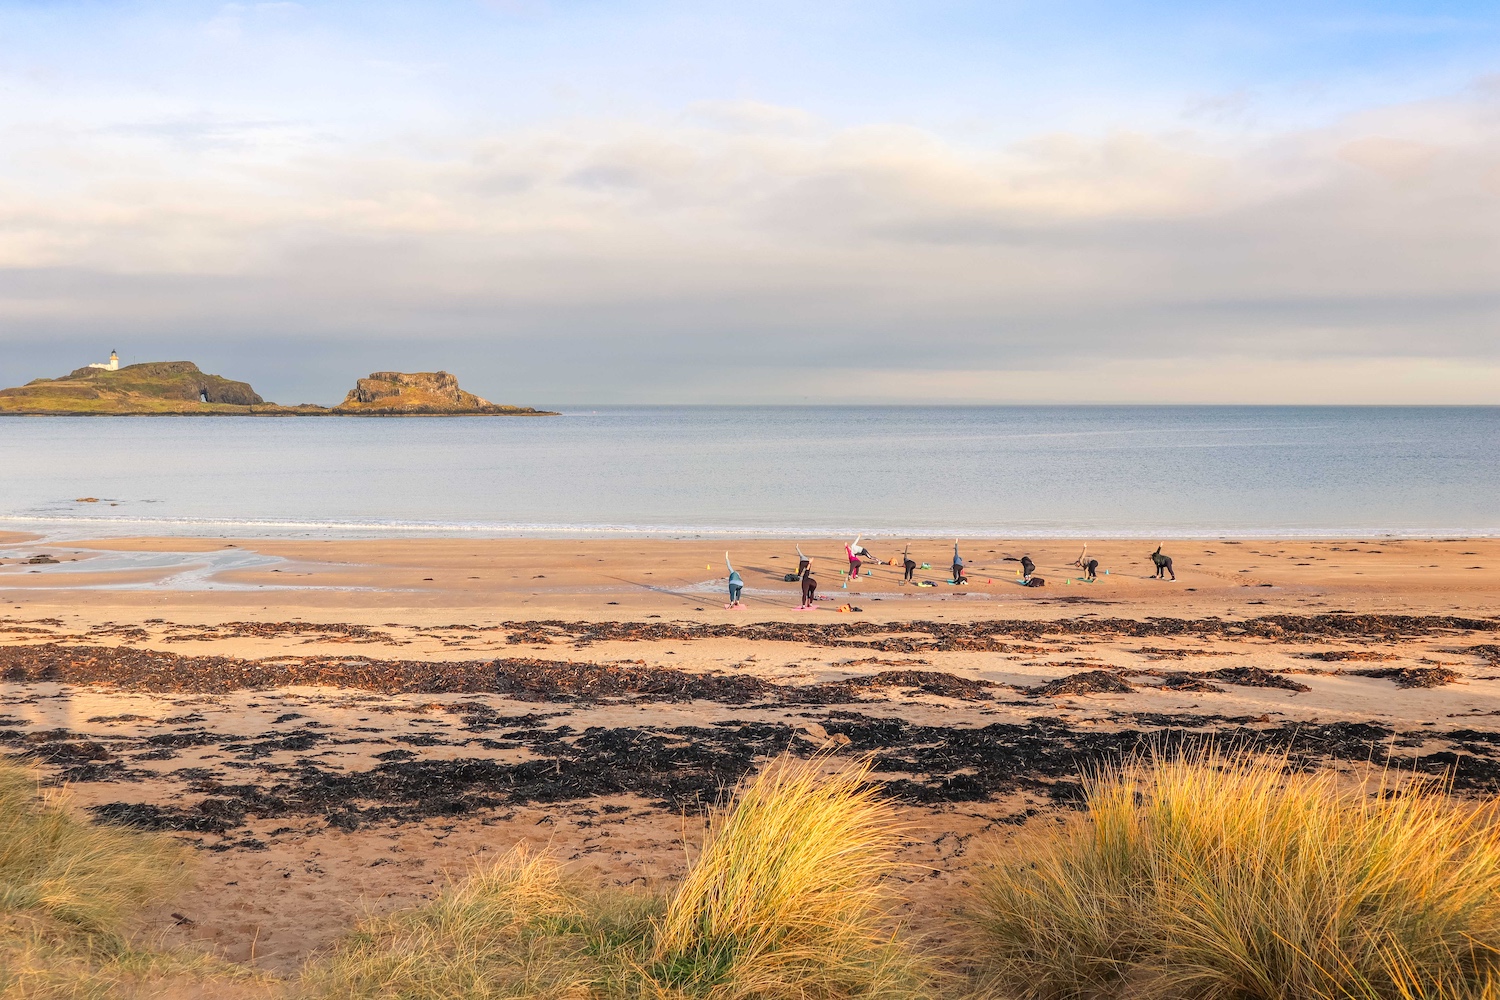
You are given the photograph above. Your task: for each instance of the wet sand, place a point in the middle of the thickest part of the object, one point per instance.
(339, 725)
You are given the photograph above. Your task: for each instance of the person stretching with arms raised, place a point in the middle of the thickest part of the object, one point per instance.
(958, 565)
(853, 549)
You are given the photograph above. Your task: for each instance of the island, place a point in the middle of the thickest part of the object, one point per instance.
(419, 394)
(181, 388)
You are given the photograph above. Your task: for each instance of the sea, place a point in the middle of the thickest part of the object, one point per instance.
(681, 471)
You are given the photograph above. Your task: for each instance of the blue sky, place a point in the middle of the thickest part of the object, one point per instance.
(782, 202)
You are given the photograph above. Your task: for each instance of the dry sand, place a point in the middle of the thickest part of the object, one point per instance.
(349, 722)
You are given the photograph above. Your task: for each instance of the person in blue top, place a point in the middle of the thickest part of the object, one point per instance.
(958, 566)
(736, 585)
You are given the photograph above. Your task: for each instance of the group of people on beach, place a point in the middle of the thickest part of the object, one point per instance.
(857, 555)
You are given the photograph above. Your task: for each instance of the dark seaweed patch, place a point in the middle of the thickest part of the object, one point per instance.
(1181, 680)
(519, 679)
(1088, 682)
(1411, 677)
(1255, 677)
(687, 767)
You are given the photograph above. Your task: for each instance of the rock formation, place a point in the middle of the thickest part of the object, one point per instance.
(417, 394)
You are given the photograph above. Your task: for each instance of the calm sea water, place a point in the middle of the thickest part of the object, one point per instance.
(1015, 471)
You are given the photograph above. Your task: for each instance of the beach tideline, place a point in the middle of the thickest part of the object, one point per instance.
(337, 723)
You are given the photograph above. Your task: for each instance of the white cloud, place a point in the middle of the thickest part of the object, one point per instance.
(753, 116)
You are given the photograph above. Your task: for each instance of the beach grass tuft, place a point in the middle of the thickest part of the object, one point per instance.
(1218, 875)
(69, 890)
(789, 896)
(84, 876)
(511, 929)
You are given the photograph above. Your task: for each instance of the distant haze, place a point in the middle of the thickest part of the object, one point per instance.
(761, 202)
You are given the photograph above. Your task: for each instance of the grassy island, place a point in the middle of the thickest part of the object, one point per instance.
(181, 388)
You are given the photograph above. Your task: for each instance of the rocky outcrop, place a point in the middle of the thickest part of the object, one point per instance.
(153, 387)
(390, 388)
(419, 394)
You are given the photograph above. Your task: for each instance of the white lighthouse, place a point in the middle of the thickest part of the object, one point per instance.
(112, 366)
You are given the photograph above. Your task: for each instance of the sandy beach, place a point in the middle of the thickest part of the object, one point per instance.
(340, 725)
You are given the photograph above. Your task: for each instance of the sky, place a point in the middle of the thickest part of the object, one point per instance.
(578, 201)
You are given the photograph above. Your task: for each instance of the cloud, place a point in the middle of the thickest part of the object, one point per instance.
(753, 116)
(1395, 159)
(757, 240)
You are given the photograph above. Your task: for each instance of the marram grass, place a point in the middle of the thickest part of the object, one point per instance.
(1231, 877)
(69, 890)
(785, 902)
(788, 898)
(84, 876)
(509, 930)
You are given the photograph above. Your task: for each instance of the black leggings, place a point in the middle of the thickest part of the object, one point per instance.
(809, 589)
(911, 568)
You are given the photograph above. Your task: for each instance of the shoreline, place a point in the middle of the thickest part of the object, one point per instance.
(64, 531)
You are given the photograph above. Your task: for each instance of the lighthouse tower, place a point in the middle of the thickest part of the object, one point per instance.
(112, 366)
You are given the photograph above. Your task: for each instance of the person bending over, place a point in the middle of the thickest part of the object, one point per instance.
(802, 562)
(809, 589)
(854, 562)
(908, 564)
(1027, 566)
(958, 565)
(736, 585)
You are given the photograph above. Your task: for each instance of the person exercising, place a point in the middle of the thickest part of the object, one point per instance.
(802, 562)
(736, 585)
(908, 564)
(1027, 566)
(853, 549)
(809, 589)
(958, 566)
